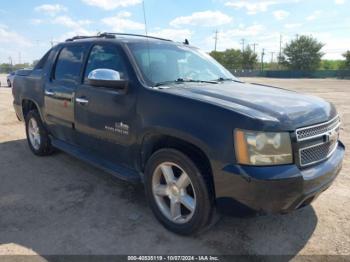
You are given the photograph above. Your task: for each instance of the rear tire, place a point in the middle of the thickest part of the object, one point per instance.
(37, 135)
(8, 83)
(177, 192)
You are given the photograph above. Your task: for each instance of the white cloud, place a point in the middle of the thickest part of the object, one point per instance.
(111, 4)
(36, 21)
(77, 27)
(69, 22)
(173, 34)
(339, 2)
(315, 15)
(256, 6)
(292, 26)
(51, 9)
(13, 38)
(252, 7)
(280, 14)
(205, 18)
(231, 38)
(120, 22)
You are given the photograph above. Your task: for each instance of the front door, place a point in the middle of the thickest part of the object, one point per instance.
(59, 92)
(105, 117)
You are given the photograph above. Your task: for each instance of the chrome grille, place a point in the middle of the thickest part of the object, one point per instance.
(317, 130)
(317, 153)
(313, 150)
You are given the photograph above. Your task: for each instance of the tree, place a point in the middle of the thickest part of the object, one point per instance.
(218, 56)
(303, 53)
(236, 59)
(331, 64)
(347, 60)
(6, 68)
(230, 58)
(249, 58)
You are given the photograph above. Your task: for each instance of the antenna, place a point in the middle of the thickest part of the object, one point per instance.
(144, 16)
(147, 41)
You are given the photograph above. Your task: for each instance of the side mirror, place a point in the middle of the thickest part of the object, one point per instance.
(107, 78)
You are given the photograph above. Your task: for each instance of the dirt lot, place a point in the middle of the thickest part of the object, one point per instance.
(59, 205)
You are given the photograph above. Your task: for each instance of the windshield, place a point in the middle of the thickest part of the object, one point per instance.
(166, 62)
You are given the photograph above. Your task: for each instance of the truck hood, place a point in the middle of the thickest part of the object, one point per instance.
(288, 109)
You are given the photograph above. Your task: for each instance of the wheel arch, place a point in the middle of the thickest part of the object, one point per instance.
(155, 141)
(28, 105)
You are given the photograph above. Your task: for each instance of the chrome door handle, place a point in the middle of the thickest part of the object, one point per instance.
(49, 93)
(81, 100)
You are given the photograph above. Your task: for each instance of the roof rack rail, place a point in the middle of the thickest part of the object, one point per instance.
(113, 35)
(106, 34)
(79, 37)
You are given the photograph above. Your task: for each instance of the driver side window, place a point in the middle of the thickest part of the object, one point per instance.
(105, 57)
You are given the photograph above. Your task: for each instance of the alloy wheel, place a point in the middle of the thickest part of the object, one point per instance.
(174, 192)
(34, 134)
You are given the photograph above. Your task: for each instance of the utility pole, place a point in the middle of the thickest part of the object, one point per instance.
(254, 45)
(272, 53)
(262, 59)
(242, 42)
(19, 58)
(216, 39)
(280, 45)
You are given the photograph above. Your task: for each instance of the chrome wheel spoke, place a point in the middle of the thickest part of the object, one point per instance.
(160, 190)
(37, 140)
(183, 181)
(172, 195)
(175, 209)
(188, 202)
(34, 133)
(168, 173)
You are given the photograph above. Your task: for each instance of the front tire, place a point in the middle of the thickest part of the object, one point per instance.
(177, 192)
(37, 136)
(8, 83)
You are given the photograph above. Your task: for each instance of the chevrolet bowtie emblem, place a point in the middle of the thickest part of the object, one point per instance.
(332, 136)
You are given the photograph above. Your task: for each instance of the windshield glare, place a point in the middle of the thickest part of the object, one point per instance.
(169, 62)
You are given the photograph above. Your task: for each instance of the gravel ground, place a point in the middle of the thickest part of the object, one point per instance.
(60, 205)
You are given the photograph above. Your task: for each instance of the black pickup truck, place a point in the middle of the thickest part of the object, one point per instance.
(168, 115)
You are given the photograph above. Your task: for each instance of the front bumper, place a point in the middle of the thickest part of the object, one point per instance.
(276, 189)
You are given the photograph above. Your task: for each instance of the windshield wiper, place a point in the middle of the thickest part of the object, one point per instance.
(222, 79)
(181, 80)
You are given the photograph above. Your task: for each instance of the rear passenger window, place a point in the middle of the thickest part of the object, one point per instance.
(69, 63)
(40, 65)
(105, 57)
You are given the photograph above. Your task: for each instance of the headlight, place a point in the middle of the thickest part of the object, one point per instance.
(263, 148)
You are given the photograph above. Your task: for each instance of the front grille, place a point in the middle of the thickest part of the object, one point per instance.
(317, 153)
(318, 142)
(317, 130)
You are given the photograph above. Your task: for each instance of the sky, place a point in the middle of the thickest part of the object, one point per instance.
(29, 28)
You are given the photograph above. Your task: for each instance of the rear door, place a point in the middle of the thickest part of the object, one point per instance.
(60, 90)
(106, 117)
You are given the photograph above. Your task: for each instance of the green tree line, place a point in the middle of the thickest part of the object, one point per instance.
(6, 68)
(301, 53)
